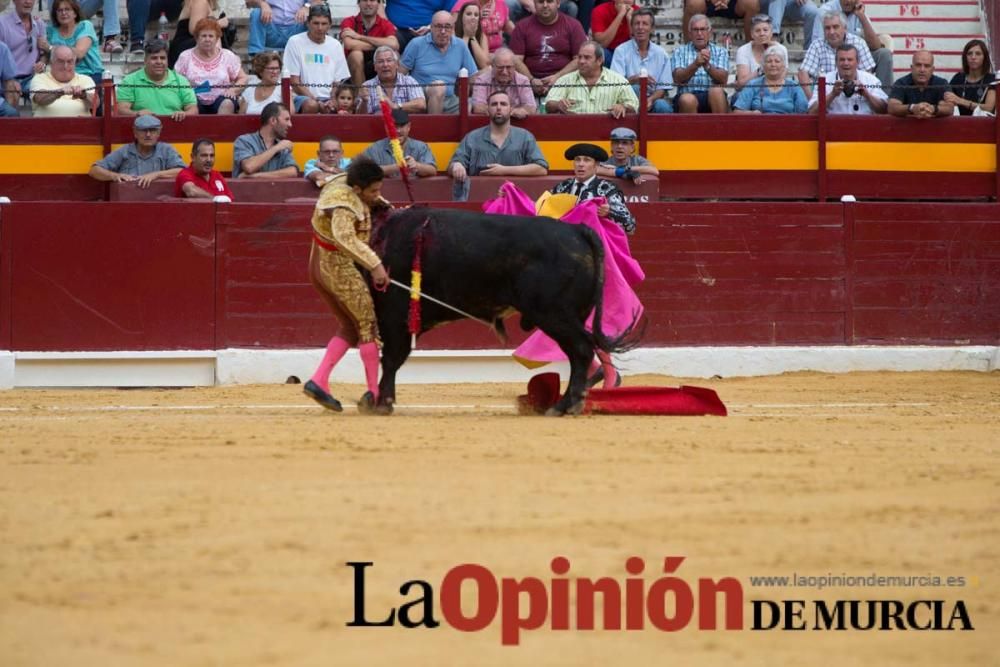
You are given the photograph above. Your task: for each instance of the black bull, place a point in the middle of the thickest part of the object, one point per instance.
(489, 266)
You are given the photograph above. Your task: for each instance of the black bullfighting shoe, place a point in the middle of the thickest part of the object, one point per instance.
(316, 393)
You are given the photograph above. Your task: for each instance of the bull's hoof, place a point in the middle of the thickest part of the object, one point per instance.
(316, 393)
(368, 406)
(554, 412)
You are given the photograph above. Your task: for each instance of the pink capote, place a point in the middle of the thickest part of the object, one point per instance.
(621, 272)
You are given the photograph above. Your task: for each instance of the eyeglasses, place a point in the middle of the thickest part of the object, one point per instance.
(760, 18)
(705, 29)
(332, 151)
(442, 26)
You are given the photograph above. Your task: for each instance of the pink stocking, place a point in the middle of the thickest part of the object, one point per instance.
(610, 374)
(369, 357)
(335, 351)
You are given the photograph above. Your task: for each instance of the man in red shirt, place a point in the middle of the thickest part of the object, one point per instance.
(609, 24)
(361, 35)
(200, 181)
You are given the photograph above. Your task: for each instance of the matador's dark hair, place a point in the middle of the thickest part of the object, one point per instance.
(362, 172)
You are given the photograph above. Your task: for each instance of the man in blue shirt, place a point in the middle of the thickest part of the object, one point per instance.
(434, 61)
(639, 54)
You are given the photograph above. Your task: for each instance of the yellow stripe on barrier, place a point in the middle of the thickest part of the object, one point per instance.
(734, 155)
(877, 156)
(667, 155)
(47, 159)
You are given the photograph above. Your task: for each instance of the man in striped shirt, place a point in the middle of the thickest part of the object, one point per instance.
(701, 68)
(592, 88)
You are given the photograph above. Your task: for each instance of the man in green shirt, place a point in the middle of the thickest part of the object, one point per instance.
(155, 89)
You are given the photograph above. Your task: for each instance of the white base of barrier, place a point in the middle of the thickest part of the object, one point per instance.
(249, 366)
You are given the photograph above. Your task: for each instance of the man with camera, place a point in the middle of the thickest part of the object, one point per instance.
(848, 90)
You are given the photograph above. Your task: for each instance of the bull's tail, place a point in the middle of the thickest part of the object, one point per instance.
(629, 338)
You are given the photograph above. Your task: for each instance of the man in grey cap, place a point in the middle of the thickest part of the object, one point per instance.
(417, 154)
(142, 161)
(623, 163)
(585, 184)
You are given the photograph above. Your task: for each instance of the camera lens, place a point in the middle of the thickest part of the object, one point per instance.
(848, 88)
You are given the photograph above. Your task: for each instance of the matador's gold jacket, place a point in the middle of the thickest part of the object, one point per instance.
(349, 224)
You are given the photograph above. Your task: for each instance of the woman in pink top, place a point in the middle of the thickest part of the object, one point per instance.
(214, 72)
(493, 16)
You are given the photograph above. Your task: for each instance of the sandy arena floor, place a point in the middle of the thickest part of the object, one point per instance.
(211, 526)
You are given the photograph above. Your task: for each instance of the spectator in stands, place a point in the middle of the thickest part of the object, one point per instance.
(610, 24)
(639, 54)
(470, 30)
(7, 73)
(140, 12)
(435, 59)
(24, 35)
(750, 56)
(401, 90)
(701, 68)
(585, 184)
(497, 149)
(329, 162)
(494, 18)
(191, 14)
(361, 35)
(274, 22)
(920, 94)
(732, 9)
(798, 10)
(156, 89)
(859, 25)
(200, 180)
(417, 154)
(315, 63)
(111, 25)
(822, 54)
(546, 44)
(775, 92)
(264, 86)
(593, 88)
(971, 88)
(217, 73)
(345, 97)
(61, 91)
(142, 161)
(266, 153)
(624, 163)
(503, 76)
(849, 90)
(69, 28)
(412, 18)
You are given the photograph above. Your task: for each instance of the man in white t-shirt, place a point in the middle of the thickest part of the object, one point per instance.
(315, 61)
(849, 90)
(61, 91)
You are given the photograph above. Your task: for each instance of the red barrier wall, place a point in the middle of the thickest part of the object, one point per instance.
(164, 276)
